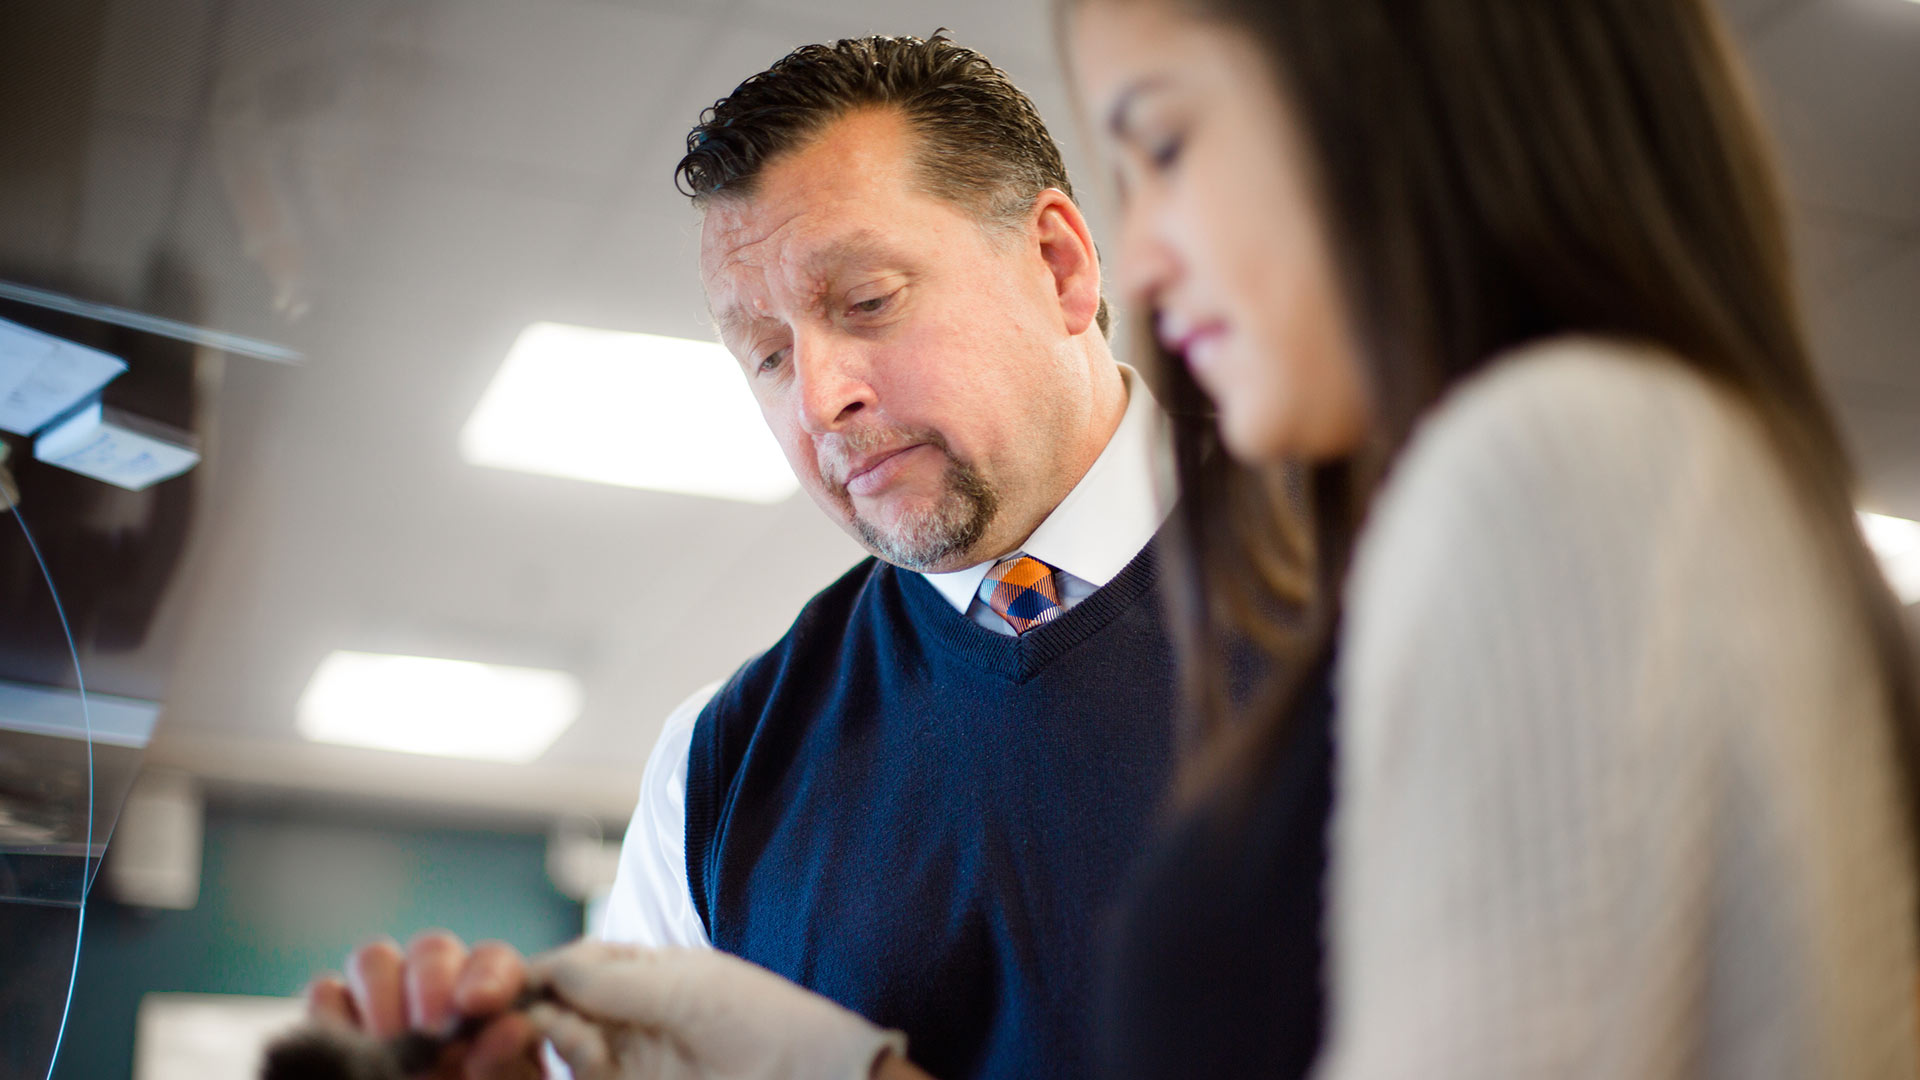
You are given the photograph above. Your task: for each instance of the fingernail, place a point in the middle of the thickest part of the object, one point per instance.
(478, 986)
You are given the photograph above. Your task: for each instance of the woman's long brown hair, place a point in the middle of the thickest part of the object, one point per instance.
(1494, 172)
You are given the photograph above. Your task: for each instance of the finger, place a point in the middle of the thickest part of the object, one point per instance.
(580, 1042)
(643, 987)
(494, 975)
(585, 951)
(374, 978)
(434, 962)
(506, 1049)
(330, 1002)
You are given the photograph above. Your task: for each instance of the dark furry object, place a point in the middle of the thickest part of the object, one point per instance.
(330, 1053)
(334, 1052)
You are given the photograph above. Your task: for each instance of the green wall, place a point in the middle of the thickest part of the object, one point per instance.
(287, 893)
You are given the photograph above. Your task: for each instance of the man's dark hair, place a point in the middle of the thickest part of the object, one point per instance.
(982, 145)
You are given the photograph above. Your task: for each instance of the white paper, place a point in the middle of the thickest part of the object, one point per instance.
(207, 1036)
(20, 355)
(69, 434)
(42, 376)
(106, 451)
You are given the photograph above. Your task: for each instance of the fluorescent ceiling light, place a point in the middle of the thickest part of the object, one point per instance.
(453, 708)
(1897, 543)
(637, 410)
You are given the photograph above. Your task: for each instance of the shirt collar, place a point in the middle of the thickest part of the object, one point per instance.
(1109, 515)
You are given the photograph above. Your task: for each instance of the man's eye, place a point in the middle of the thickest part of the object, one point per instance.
(773, 360)
(873, 306)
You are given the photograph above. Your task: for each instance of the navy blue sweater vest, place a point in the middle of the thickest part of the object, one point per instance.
(924, 820)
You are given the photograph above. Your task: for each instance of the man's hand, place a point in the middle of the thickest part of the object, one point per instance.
(620, 1012)
(432, 986)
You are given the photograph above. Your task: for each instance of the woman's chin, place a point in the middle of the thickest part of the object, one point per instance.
(1253, 440)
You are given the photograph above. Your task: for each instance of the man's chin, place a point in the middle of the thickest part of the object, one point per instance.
(930, 545)
(931, 531)
(947, 565)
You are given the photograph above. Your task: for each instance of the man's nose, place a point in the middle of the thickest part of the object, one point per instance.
(833, 382)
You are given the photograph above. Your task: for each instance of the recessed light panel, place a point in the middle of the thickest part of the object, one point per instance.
(636, 410)
(425, 705)
(1896, 541)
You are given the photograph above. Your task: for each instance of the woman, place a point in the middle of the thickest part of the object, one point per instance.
(1624, 714)
(1614, 669)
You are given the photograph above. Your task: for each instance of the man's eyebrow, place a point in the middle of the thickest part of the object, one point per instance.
(860, 246)
(731, 322)
(863, 245)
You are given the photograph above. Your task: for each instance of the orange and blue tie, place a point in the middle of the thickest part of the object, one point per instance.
(1024, 592)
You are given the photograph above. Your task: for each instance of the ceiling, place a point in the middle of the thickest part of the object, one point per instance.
(396, 189)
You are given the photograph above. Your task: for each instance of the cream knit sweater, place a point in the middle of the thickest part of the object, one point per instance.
(1616, 795)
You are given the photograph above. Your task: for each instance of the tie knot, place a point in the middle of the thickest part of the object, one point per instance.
(1023, 592)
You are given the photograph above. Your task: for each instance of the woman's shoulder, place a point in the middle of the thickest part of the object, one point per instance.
(1574, 406)
(1560, 528)
(1569, 475)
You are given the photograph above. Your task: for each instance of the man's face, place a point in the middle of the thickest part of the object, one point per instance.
(916, 369)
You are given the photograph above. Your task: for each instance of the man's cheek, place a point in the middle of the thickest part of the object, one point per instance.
(806, 469)
(794, 446)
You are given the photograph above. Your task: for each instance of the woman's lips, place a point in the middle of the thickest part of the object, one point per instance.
(874, 477)
(1198, 347)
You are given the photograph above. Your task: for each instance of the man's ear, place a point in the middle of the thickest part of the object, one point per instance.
(1066, 246)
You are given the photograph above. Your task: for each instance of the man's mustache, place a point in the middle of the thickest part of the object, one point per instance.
(840, 454)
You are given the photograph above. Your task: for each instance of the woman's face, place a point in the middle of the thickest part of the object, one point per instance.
(1220, 237)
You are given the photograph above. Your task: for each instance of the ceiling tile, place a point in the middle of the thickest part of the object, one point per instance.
(134, 169)
(1833, 251)
(557, 86)
(154, 58)
(1869, 333)
(1840, 82)
(1748, 16)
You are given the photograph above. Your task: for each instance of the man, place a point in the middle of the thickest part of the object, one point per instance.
(919, 801)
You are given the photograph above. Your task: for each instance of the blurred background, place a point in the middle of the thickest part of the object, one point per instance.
(391, 277)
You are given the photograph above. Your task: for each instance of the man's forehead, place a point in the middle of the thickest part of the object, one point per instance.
(796, 244)
(857, 175)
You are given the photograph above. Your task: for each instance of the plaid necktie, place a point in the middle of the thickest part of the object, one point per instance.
(1023, 592)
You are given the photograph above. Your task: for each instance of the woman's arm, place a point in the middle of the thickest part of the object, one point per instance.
(1521, 851)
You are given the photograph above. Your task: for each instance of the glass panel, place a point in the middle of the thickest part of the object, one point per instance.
(66, 761)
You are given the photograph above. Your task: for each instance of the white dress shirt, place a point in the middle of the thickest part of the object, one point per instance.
(1105, 521)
